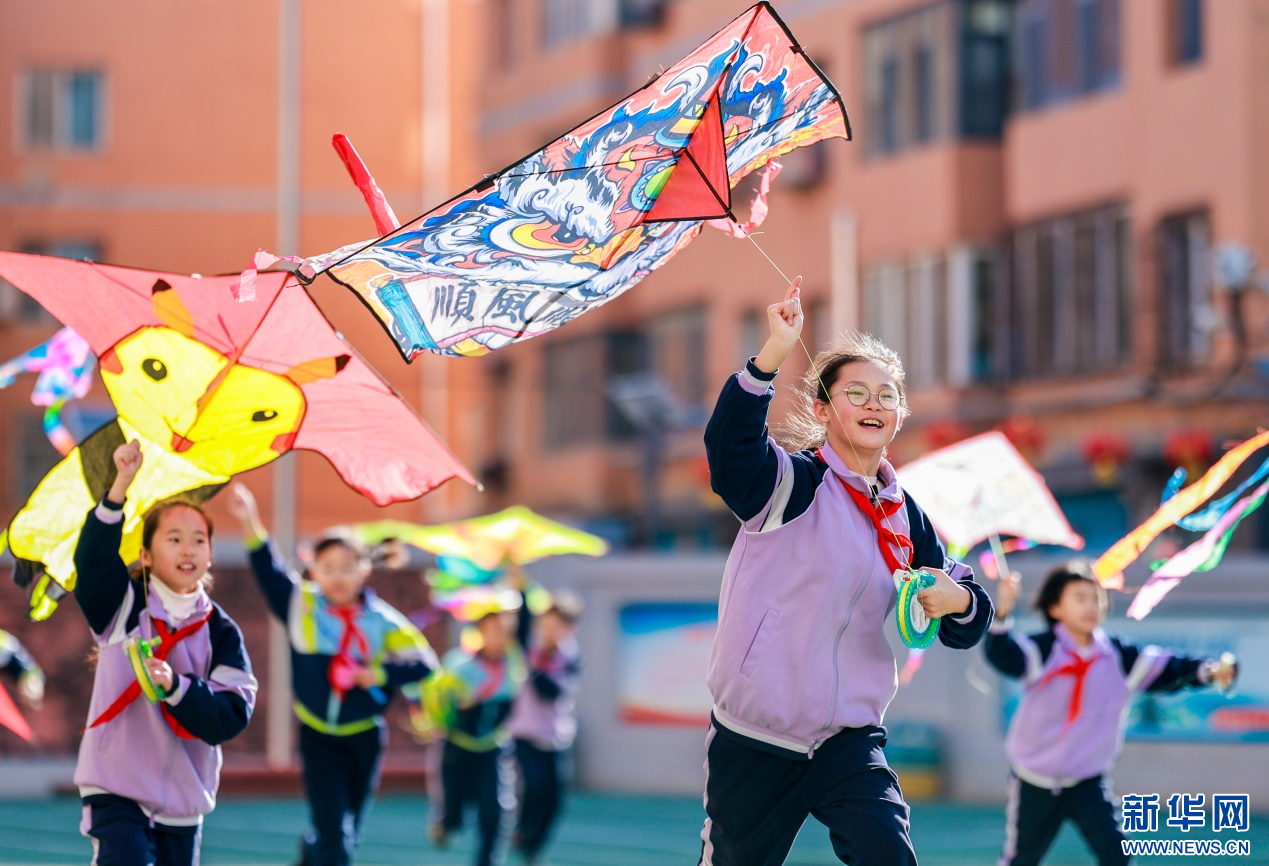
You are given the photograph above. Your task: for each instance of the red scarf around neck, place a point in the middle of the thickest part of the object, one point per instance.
(168, 639)
(879, 511)
(1077, 667)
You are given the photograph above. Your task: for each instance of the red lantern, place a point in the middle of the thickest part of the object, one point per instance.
(1190, 450)
(1026, 436)
(1105, 452)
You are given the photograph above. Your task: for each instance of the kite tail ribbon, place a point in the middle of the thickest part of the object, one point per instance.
(757, 211)
(245, 289)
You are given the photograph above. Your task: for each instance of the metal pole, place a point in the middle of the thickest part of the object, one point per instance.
(278, 742)
(434, 115)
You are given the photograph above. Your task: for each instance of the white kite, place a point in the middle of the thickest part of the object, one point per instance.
(982, 487)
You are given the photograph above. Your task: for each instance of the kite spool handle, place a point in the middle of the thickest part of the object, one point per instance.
(916, 629)
(137, 651)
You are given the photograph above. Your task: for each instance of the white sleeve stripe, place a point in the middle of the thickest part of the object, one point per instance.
(108, 515)
(1146, 669)
(182, 686)
(1035, 666)
(780, 498)
(752, 383)
(232, 678)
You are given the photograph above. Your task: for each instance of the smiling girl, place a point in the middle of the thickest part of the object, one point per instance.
(149, 773)
(801, 671)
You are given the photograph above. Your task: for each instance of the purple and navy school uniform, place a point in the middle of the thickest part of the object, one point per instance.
(1069, 729)
(801, 670)
(145, 784)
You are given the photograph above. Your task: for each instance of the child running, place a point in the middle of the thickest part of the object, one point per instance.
(350, 651)
(470, 703)
(1069, 726)
(19, 664)
(148, 774)
(543, 720)
(801, 671)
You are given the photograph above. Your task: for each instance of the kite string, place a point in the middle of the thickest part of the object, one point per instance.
(815, 371)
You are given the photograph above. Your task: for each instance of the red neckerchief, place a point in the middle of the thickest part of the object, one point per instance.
(167, 640)
(1077, 667)
(343, 659)
(878, 511)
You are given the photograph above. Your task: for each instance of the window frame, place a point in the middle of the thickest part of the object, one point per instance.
(61, 110)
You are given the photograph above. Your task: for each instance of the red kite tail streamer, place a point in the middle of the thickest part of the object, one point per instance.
(757, 211)
(386, 221)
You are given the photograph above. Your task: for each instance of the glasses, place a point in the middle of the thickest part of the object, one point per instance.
(858, 395)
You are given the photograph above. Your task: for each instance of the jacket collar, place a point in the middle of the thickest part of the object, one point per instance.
(1100, 646)
(886, 477)
(158, 610)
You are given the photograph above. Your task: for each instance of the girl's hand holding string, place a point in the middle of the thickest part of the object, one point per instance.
(785, 320)
(945, 598)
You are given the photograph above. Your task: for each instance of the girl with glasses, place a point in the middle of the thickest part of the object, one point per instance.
(801, 671)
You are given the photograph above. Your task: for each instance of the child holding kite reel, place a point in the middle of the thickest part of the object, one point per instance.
(1069, 726)
(148, 769)
(801, 670)
(350, 651)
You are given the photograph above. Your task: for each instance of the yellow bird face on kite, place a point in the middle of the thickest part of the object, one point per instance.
(218, 414)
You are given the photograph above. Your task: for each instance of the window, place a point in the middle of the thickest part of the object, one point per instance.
(943, 314)
(62, 110)
(939, 72)
(1185, 31)
(577, 379)
(643, 13)
(1068, 48)
(985, 72)
(926, 358)
(566, 21)
(884, 305)
(905, 305)
(1185, 306)
(1071, 298)
(924, 67)
(908, 100)
(677, 341)
(985, 350)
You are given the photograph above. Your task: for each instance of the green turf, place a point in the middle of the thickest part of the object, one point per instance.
(598, 830)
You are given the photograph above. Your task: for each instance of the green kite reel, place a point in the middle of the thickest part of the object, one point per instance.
(138, 650)
(916, 629)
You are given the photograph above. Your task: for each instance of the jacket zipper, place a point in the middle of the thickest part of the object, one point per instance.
(850, 613)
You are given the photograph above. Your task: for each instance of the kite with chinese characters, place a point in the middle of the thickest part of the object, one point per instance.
(589, 215)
